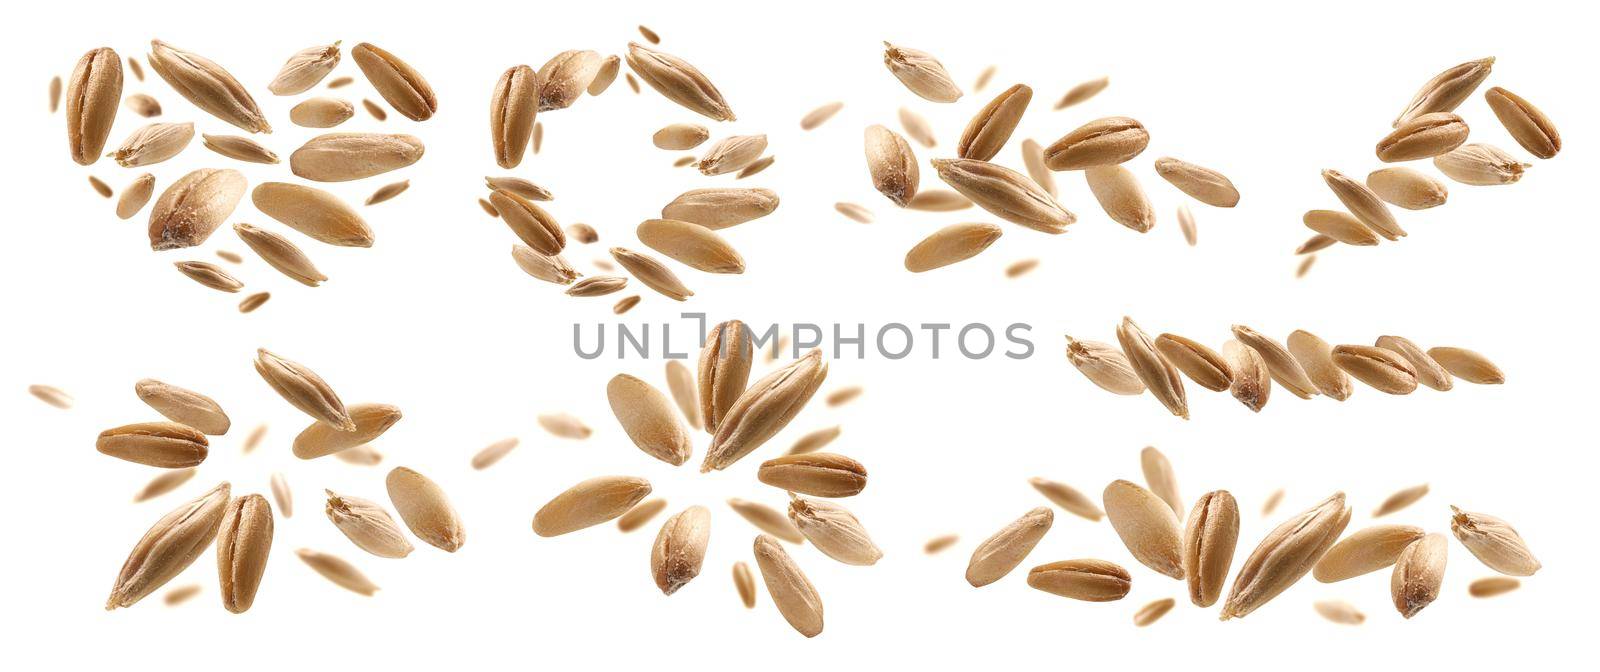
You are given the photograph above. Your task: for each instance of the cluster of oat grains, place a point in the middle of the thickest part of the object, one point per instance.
(739, 416)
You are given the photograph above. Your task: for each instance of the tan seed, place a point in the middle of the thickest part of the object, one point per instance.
(342, 157)
(244, 542)
(399, 83)
(55, 92)
(1087, 580)
(679, 81)
(652, 273)
(732, 154)
(1493, 542)
(692, 245)
(951, 244)
(605, 75)
(721, 208)
(388, 191)
(1491, 586)
(1339, 612)
(680, 548)
(818, 474)
(940, 543)
(1407, 188)
(564, 425)
(1147, 526)
(337, 570)
(1252, 380)
(819, 116)
(938, 200)
(100, 187)
(854, 212)
(1002, 552)
(1418, 574)
(1429, 372)
(814, 441)
(1160, 377)
(1526, 123)
(983, 78)
(649, 419)
(1400, 500)
(1282, 365)
(374, 109)
(792, 593)
(1104, 366)
(169, 547)
(1153, 612)
(834, 531)
(1447, 89)
(1272, 502)
(181, 594)
(51, 395)
(1314, 244)
(1380, 369)
(1287, 553)
(1033, 160)
(764, 409)
(891, 164)
(1315, 357)
(1068, 498)
(1305, 266)
(194, 206)
(153, 143)
(767, 519)
(313, 212)
(238, 147)
(917, 128)
(1468, 365)
(512, 109)
(304, 390)
(1102, 142)
(361, 456)
(1020, 268)
(1366, 551)
(305, 69)
(1203, 184)
(1082, 92)
(1005, 193)
(163, 484)
(182, 406)
(366, 524)
(280, 254)
(425, 509)
(680, 382)
(640, 514)
(282, 495)
(1201, 364)
(209, 275)
(1423, 136)
(250, 303)
(1121, 196)
(724, 370)
(1209, 540)
(589, 503)
(340, 82)
(680, 137)
(583, 233)
(488, 208)
(1480, 165)
(322, 112)
(135, 196)
(989, 130)
(493, 453)
(1160, 478)
(253, 439)
(1364, 204)
(566, 77)
(320, 439)
(208, 86)
(143, 105)
(921, 73)
(93, 92)
(532, 224)
(745, 583)
(754, 168)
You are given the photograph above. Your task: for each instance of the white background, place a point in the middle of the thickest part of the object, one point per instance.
(436, 319)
